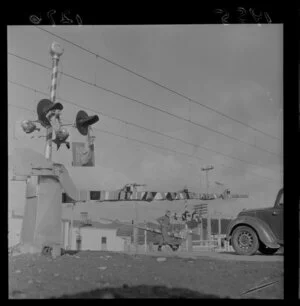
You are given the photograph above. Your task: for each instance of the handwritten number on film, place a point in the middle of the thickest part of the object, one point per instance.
(243, 15)
(65, 18)
(35, 19)
(49, 15)
(225, 17)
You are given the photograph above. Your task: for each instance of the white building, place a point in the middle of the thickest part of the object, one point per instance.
(96, 236)
(14, 228)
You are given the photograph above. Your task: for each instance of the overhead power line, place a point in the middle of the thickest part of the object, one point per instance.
(146, 143)
(126, 137)
(139, 126)
(157, 83)
(147, 105)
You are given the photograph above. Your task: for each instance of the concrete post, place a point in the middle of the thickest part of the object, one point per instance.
(28, 224)
(71, 227)
(48, 218)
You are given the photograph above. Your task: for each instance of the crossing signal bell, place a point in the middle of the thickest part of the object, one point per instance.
(60, 137)
(83, 121)
(43, 108)
(83, 154)
(29, 126)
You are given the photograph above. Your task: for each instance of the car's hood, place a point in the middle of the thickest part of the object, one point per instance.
(253, 211)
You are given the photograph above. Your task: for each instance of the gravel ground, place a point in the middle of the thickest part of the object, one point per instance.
(93, 274)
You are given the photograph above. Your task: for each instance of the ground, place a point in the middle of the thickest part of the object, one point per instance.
(94, 274)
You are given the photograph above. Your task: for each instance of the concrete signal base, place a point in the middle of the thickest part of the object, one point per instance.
(42, 217)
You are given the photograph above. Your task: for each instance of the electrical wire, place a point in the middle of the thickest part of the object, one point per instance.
(158, 84)
(125, 137)
(141, 127)
(149, 106)
(152, 145)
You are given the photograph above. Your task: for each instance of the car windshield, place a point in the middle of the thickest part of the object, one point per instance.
(280, 202)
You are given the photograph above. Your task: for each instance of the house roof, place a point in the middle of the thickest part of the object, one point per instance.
(95, 224)
(125, 231)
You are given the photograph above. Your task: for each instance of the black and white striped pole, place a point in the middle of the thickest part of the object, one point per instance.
(49, 111)
(55, 51)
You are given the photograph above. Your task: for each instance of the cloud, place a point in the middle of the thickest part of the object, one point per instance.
(162, 172)
(98, 177)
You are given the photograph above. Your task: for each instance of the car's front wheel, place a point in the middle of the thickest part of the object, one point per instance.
(244, 240)
(267, 251)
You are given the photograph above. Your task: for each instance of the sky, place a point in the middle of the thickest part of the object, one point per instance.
(235, 69)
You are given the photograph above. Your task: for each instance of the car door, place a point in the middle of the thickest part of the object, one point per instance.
(279, 209)
(273, 216)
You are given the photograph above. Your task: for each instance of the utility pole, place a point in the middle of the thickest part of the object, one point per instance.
(206, 169)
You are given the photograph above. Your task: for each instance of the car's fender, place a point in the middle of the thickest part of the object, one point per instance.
(264, 232)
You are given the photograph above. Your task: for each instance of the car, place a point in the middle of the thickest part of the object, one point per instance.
(258, 229)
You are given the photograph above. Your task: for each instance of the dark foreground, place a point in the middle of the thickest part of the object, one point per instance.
(91, 274)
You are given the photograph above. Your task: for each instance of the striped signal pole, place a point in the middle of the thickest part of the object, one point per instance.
(55, 51)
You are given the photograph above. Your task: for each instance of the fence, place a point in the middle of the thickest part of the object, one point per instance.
(197, 246)
(205, 245)
(215, 245)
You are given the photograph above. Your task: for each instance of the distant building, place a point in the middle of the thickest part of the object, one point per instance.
(93, 236)
(90, 235)
(14, 228)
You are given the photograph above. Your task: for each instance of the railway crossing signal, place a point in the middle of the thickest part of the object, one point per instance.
(83, 122)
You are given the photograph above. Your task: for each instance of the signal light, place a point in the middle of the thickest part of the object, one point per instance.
(83, 121)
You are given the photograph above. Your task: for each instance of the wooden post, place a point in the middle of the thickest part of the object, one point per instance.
(135, 229)
(145, 236)
(201, 231)
(208, 227)
(187, 233)
(71, 229)
(220, 231)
